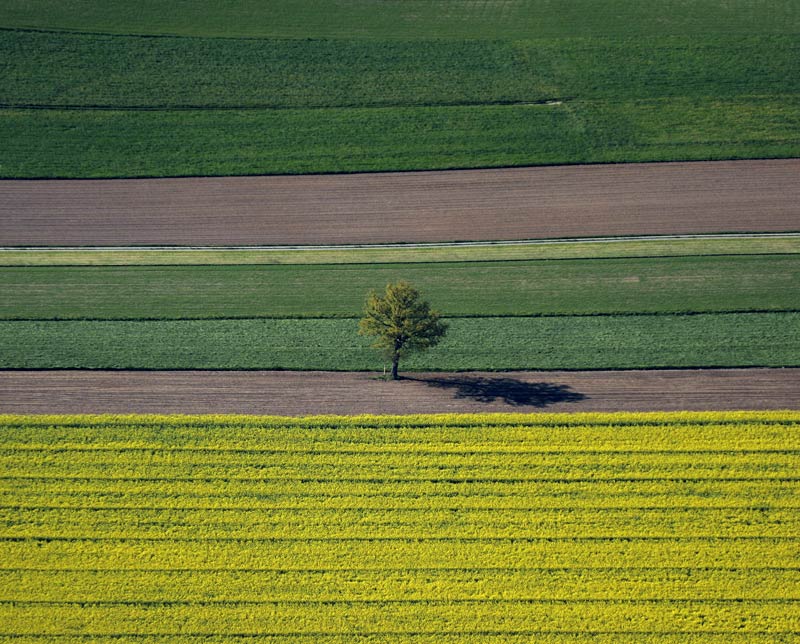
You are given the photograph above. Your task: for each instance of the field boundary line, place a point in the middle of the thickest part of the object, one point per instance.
(410, 245)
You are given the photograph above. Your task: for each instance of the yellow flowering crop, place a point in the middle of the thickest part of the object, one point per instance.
(448, 529)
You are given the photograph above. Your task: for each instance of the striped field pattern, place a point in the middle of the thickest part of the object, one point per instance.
(637, 527)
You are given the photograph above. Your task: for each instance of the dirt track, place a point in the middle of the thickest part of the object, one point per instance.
(517, 203)
(304, 393)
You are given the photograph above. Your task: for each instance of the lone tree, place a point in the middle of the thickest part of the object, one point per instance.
(400, 322)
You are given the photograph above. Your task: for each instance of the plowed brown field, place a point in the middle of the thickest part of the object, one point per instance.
(306, 393)
(514, 203)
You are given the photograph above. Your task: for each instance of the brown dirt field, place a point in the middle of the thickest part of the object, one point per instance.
(514, 203)
(306, 393)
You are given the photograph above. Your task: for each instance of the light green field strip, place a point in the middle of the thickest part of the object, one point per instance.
(411, 583)
(565, 249)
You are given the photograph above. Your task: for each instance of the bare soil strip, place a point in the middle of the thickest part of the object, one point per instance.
(307, 393)
(504, 204)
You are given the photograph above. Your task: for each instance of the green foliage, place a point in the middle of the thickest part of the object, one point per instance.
(603, 342)
(401, 322)
(484, 528)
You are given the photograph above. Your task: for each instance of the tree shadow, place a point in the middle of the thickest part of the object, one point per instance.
(511, 391)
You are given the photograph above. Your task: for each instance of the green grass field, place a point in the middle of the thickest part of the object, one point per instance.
(603, 528)
(284, 316)
(424, 19)
(486, 343)
(635, 285)
(128, 72)
(328, 87)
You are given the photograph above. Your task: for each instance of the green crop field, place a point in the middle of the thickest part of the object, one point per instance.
(609, 528)
(559, 313)
(293, 87)
(398, 19)
(493, 343)
(636, 285)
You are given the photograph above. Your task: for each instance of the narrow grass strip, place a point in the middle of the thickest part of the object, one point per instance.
(562, 249)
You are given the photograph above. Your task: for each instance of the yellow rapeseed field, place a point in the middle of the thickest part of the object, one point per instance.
(451, 529)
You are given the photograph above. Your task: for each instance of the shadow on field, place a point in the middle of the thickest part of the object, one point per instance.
(510, 391)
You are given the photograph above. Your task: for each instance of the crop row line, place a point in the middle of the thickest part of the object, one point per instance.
(433, 602)
(425, 569)
(181, 635)
(438, 508)
(288, 479)
(403, 539)
(52, 449)
(209, 107)
(465, 316)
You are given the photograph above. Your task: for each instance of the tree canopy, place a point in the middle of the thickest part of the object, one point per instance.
(400, 322)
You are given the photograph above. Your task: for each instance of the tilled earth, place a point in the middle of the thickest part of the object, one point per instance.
(319, 392)
(512, 203)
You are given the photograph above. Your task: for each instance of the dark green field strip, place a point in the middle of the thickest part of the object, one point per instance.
(92, 71)
(434, 523)
(428, 19)
(678, 81)
(676, 284)
(110, 71)
(69, 143)
(414, 584)
(611, 342)
(342, 617)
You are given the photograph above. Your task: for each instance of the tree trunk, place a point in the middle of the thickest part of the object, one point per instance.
(395, 363)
